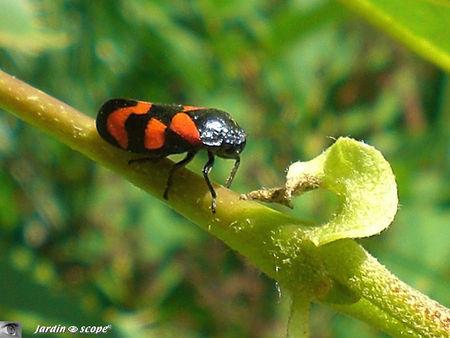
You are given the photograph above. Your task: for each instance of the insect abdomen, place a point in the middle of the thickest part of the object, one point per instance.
(144, 127)
(113, 118)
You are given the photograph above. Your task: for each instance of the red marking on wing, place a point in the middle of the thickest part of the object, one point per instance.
(190, 108)
(183, 125)
(155, 134)
(116, 121)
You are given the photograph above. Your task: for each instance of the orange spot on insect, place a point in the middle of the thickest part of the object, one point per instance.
(116, 121)
(189, 108)
(155, 134)
(183, 125)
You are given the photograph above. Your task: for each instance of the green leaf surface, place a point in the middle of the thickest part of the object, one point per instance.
(422, 25)
(361, 177)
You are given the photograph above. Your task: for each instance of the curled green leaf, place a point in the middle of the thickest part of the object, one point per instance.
(363, 179)
(359, 175)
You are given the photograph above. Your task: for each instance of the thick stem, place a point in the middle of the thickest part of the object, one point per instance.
(395, 307)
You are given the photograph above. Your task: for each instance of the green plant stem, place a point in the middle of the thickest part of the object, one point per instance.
(298, 325)
(395, 307)
(274, 242)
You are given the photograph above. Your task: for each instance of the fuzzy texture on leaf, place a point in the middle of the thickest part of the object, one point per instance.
(354, 171)
(365, 183)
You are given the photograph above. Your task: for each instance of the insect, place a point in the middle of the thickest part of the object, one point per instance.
(159, 130)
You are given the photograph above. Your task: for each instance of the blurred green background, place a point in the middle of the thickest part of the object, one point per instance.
(79, 245)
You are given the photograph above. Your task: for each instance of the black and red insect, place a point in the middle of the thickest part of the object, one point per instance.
(159, 130)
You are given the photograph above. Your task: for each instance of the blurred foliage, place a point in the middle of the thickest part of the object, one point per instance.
(422, 25)
(79, 245)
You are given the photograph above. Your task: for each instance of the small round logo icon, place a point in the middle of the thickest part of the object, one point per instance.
(72, 329)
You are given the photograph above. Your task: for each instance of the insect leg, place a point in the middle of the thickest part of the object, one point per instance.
(176, 166)
(233, 172)
(206, 169)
